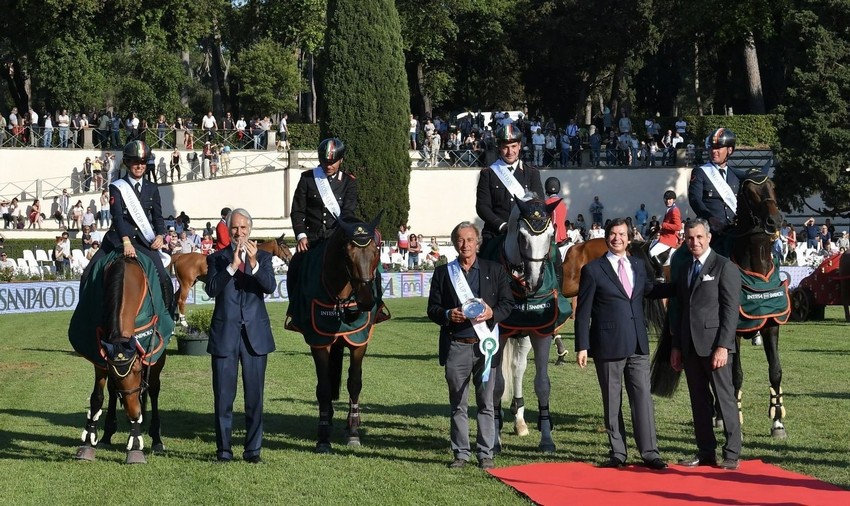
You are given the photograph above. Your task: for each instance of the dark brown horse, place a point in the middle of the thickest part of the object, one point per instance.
(131, 377)
(348, 291)
(757, 223)
(190, 267)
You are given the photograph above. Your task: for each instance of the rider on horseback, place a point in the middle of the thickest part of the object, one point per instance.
(137, 222)
(323, 195)
(668, 234)
(507, 179)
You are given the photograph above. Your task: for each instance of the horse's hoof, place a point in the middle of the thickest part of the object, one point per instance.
(85, 453)
(547, 447)
(521, 428)
(136, 457)
(353, 441)
(778, 433)
(158, 449)
(324, 448)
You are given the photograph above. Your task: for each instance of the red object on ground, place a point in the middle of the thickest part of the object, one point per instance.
(753, 483)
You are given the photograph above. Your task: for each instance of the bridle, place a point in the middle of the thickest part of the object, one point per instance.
(755, 222)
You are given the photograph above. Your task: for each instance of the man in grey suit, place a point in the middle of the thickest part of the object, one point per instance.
(610, 328)
(460, 352)
(238, 278)
(709, 293)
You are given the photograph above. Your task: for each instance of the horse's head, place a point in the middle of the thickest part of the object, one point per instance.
(358, 246)
(531, 227)
(283, 251)
(757, 209)
(124, 289)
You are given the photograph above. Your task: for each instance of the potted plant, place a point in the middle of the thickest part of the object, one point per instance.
(194, 340)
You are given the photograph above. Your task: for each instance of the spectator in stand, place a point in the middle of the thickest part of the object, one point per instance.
(811, 234)
(825, 239)
(186, 245)
(105, 217)
(667, 153)
(403, 240)
(266, 125)
(76, 215)
(206, 245)
(413, 249)
(830, 227)
(641, 217)
(595, 147)
(4, 211)
(257, 132)
(194, 239)
(88, 219)
(33, 127)
(95, 247)
(435, 150)
(625, 124)
(86, 238)
(189, 134)
(429, 129)
(282, 143)
(652, 150)
(47, 141)
(581, 225)
(161, 130)
(35, 216)
(224, 160)
(538, 140)
(843, 241)
(6, 262)
(222, 233)
(565, 148)
(61, 260)
(210, 125)
(596, 208)
(573, 234)
(114, 130)
(63, 121)
(228, 125)
(596, 232)
(412, 132)
(551, 146)
(175, 165)
(102, 140)
(241, 127)
(677, 141)
(681, 127)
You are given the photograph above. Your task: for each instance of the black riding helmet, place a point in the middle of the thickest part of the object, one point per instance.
(721, 138)
(553, 186)
(508, 133)
(331, 150)
(135, 151)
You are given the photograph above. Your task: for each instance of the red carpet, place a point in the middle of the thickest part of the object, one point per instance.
(753, 483)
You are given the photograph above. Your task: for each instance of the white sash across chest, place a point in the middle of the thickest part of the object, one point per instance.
(501, 169)
(488, 340)
(134, 207)
(721, 185)
(325, 191)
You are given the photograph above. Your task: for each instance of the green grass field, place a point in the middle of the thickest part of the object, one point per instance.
(44, 390)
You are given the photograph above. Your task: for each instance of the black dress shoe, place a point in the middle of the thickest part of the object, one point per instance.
(222, 460)
(729, 464)
(612, 463)
(486, 463)
(699, 460)
(254, 460)
(457, 464)
(656, 464)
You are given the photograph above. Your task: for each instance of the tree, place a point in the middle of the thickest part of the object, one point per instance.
(814, 132)
(268, 77)
(366, 102)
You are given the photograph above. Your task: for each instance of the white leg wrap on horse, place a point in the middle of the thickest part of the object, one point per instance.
(96, 415)
(777, 407)
(522, 346)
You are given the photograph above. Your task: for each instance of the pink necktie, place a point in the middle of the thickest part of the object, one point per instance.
(624, 278)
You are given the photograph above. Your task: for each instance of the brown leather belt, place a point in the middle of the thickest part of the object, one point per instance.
(465, 340)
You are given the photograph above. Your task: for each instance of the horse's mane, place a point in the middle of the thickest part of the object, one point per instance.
(113, 291)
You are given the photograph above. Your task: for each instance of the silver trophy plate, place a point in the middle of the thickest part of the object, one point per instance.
(473, 308)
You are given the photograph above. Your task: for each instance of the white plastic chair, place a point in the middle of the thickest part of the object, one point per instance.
(33, 268)
(23, 268)
(78, 261)
(28, 255)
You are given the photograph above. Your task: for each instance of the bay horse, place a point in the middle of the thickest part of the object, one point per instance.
(191, 267)
(526, 254)
(338, 309)
(130, 370)
(757, 222)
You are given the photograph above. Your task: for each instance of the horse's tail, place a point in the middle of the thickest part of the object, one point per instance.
(653, 310)
(663, 378)
(508, 370)
(114, 295)
(335, 369)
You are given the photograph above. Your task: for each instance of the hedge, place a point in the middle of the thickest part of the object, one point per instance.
(303, 136)
(753, 131)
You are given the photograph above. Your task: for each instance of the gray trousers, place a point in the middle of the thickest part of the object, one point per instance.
(699, 374)
(635, 371)
(465, 363)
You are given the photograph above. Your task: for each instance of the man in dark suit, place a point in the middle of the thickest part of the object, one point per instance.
(494, 198)
(127, 230)
(610, 328)
(323, 195)
(709, 295)
(238, 278)
(459, 340)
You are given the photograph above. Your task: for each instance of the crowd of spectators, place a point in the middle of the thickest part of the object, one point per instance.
(467, 140)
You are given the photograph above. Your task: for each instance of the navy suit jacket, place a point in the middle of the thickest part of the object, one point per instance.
(495, 290)
(609, 324)
(493, 202)
(706, 201)
(124, 225)
(239, 300)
